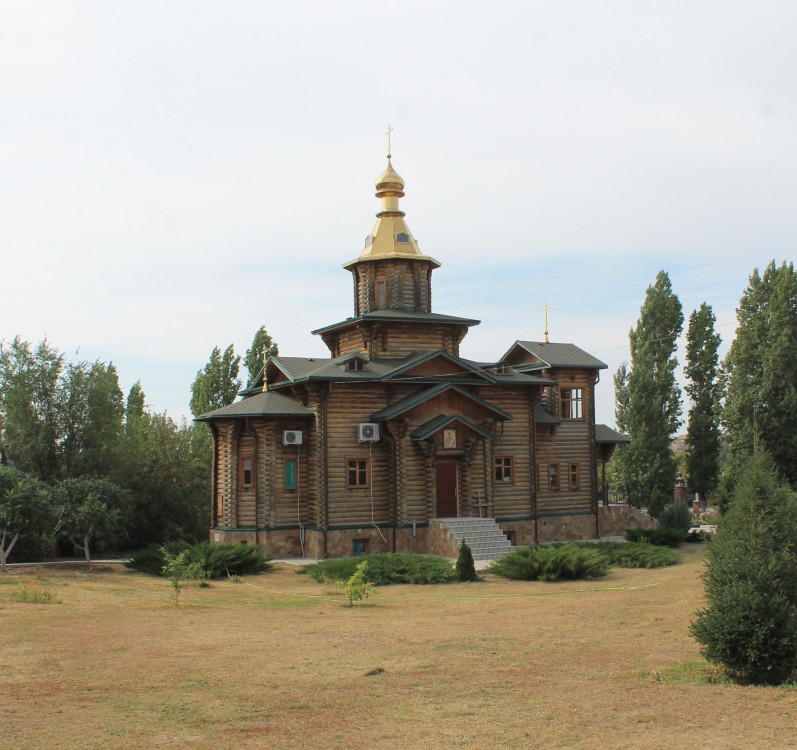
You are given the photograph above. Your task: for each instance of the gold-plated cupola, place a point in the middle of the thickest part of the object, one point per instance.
(390, 237)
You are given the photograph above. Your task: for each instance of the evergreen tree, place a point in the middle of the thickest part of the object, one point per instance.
(262, 344)
(702, 372)
(465, 567)
(761, 394)
(649, 404)
(750, 622)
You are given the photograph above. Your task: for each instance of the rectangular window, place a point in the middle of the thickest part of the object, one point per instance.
(246, 471)
(381, 297)
(575, 476)
(571, 401)
(359, 547)
(553, 476)
(358, 472)
(504, 468)
(290, 474)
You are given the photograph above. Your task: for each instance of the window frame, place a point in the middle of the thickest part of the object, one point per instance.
(505, 464)
(554, 480)
(357, 485)
(380, 294)
(568, 404)
(242, 459)
(574, 470)
(286, 475)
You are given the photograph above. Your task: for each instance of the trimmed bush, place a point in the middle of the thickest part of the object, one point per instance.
(552, 563)
(216, 560)
(385, 569)
(675, 516)
(465, 567)
(662, 536)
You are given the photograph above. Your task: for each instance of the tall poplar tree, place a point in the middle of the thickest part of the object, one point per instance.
(761, 396)
(704, 389)
(262, 346)
(648, 397)
(217, 383)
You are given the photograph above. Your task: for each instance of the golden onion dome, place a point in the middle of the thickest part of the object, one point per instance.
(389, 178)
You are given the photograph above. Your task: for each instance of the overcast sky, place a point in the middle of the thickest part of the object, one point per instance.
(173, 174)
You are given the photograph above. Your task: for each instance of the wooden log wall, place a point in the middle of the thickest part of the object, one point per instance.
(408, 285)
(349, 405)
(512, 438)
(570, 442)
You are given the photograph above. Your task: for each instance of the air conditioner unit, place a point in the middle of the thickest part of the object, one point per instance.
(367, 432)
(292, 437)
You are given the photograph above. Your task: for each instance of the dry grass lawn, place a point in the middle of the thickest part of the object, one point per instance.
(278, 662)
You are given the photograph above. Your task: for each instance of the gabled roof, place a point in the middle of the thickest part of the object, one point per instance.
(268, 404)
(443, 420)
(419, 358)
(405, 316)
(419, 397)
(556, 355)
(605, 434)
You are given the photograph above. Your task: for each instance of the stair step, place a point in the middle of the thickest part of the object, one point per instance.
(482, 535)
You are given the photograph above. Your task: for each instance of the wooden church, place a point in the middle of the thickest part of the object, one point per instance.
(394, 439)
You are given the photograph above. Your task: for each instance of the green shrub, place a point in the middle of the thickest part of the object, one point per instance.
(636, 555)
(662, 536)
(385, 569)
(551, 563)
(465, 568)
(749, 625)
(675, 516)
(216, 560)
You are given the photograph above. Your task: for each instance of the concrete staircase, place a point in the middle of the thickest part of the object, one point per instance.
(482, 535)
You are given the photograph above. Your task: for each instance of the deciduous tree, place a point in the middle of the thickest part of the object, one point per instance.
(761, 396)
(90, 511)
(262, 346)
(649, 403)
(704, 389)
(24, 508)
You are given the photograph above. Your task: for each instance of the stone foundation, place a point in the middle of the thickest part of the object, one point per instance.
(566, 528)
(441, 541)
(615, 520)
(520, 533)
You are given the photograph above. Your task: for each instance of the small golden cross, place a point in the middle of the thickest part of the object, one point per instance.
(546, 307)
(265, 357)
(387, 133)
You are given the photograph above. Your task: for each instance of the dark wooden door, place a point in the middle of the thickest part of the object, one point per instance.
(446, 489)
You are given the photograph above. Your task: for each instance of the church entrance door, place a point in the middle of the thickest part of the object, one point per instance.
(447, 472)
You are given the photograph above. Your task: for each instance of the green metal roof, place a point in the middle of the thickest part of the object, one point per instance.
(558, 355)
(443, 420)
(415, 399)
(406, 316)
(543, 416)
(268, 404)
(605, 434)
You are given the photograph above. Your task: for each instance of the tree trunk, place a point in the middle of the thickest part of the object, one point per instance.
(86, 549)
(4, 553)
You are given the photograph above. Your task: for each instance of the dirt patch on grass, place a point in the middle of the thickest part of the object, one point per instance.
(279, 661)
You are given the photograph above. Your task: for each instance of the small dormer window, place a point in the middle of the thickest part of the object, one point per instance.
(355, 365)
(369, 240)
(402, 237)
